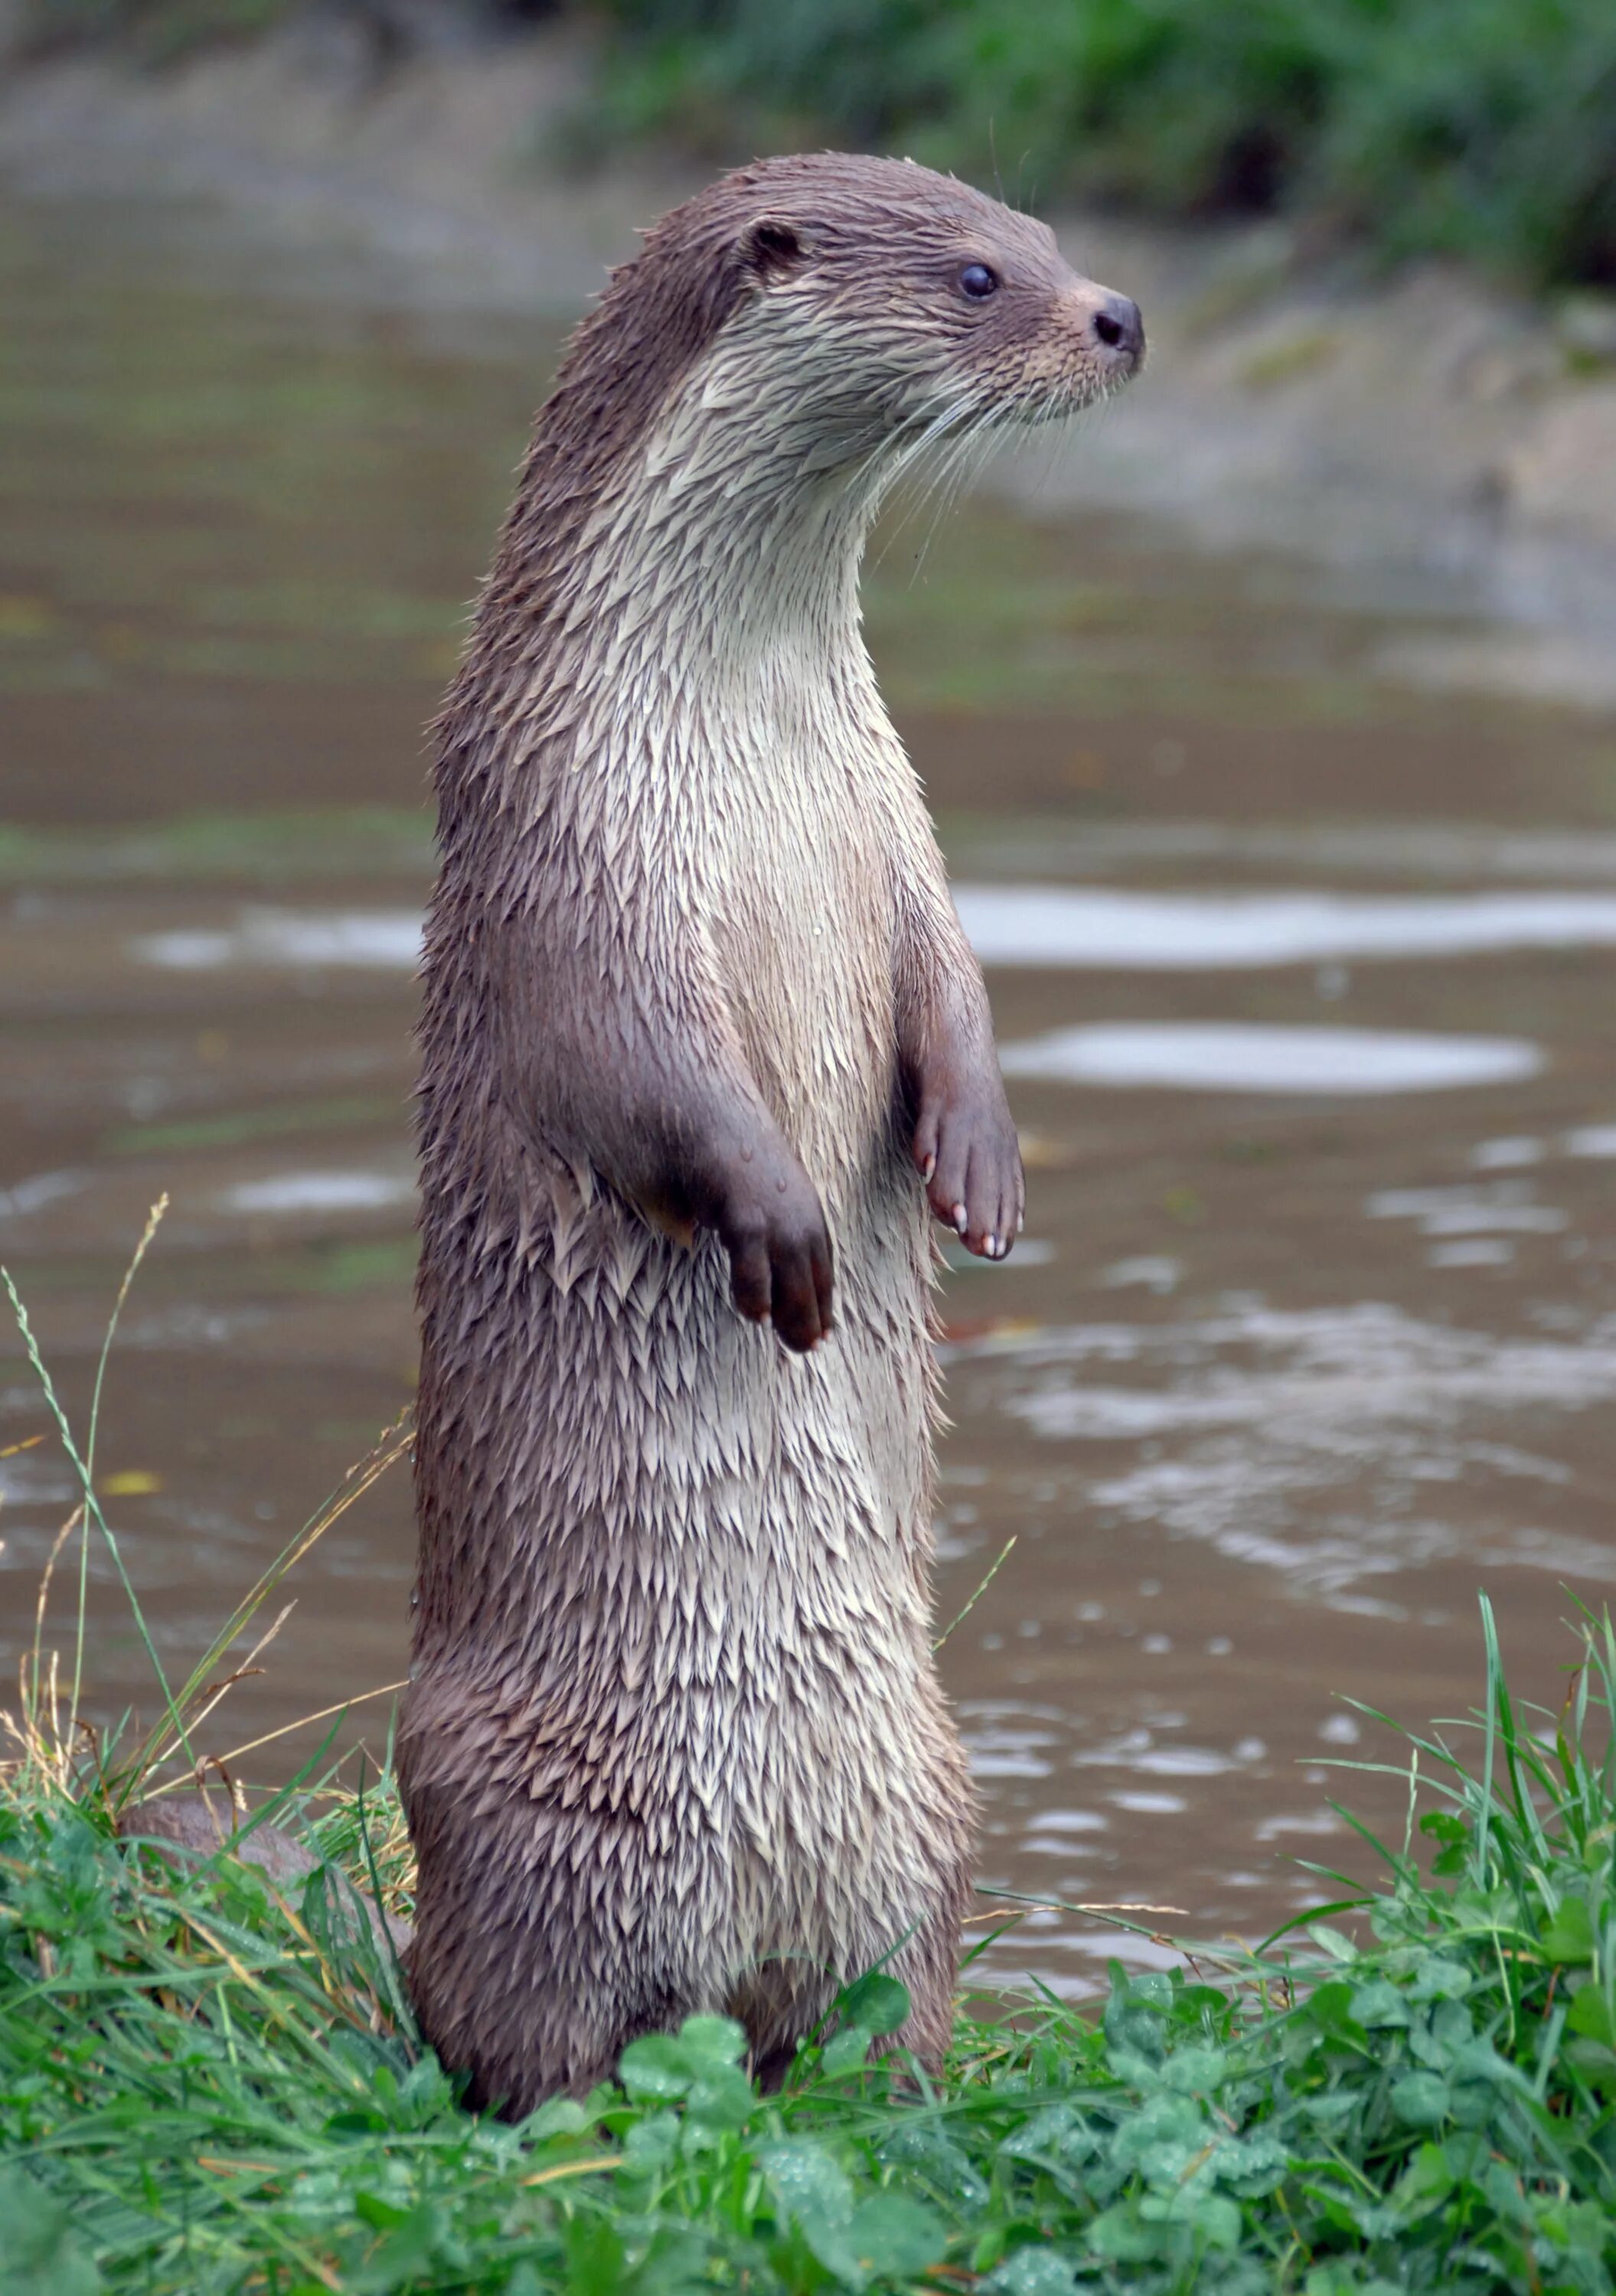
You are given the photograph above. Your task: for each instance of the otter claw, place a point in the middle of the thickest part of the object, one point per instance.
(960, 1219)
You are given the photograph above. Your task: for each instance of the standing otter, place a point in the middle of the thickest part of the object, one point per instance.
(700, 1025)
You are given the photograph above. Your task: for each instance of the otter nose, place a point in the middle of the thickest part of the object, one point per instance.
(1119, 326)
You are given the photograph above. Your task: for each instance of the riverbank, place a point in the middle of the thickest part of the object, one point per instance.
(1418, 436)
(208, 2083)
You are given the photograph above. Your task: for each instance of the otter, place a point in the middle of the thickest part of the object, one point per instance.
(702, 1039)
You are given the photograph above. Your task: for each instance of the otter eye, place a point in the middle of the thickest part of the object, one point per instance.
(978, 281)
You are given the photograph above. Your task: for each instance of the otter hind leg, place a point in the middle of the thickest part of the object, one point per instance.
(515, 2063)
(928, 1968)
(780, 2000)
(546, 1940)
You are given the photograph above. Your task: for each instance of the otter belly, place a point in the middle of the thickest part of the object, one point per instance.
(688, 1709)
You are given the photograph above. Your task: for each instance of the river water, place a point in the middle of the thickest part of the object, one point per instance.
(1303, 984)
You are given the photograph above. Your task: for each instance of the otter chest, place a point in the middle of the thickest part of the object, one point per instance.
(797, 902)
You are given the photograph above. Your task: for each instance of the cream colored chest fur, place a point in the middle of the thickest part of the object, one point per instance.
(753, 745)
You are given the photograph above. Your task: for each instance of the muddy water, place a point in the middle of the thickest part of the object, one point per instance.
(1304, 986)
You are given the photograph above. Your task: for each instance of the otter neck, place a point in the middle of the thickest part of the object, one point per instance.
(736, 532)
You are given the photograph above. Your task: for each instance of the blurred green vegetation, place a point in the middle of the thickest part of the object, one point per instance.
(1483, 128)
(1480, 128)
(156, 31)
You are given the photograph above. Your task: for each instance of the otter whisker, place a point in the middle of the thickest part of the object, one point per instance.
(961, 465)
(914, 451)
(932, 462)
(961, 412)
(873, 478)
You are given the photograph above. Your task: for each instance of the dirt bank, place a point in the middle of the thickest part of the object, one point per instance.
(1422, 437)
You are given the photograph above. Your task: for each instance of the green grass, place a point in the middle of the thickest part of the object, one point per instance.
(209, 2086)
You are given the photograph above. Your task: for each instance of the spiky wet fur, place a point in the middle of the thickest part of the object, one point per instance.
(674, 1740)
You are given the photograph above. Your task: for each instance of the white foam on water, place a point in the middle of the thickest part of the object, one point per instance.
(1286, 1370)
(1158, 1762)
(1506, 1209)
(1493, 1219)
(1309, 1821)
(1478, 1251)
(1505, 1155)
(321, 1192)
(1090, 926)
(288, 939)
(32, 1195)
(1156, 1272)
(1008, 1740)
(1249, 1056)
(1077, 925)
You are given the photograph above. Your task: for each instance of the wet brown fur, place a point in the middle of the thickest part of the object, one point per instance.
(701, 1035)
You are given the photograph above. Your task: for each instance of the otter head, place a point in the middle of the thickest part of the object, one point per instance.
(913, 305)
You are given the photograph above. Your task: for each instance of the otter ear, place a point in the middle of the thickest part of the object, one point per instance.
(774, 248)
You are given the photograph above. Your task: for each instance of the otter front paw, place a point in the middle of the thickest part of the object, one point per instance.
(779, 1248)
(967, 1153)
